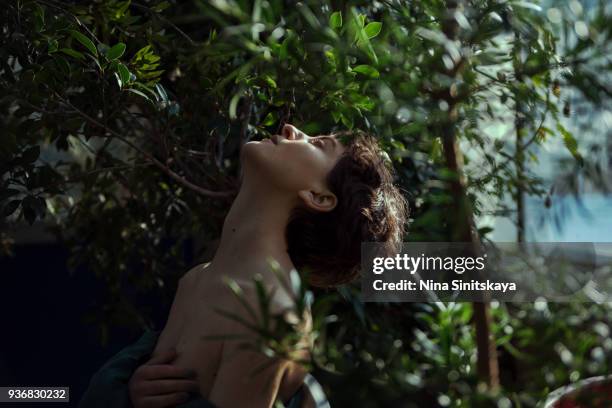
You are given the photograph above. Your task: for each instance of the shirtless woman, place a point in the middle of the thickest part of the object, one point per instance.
(308, 203)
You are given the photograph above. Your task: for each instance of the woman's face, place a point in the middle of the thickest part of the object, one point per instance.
(293, 160)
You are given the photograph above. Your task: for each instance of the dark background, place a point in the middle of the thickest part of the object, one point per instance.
(46, 339)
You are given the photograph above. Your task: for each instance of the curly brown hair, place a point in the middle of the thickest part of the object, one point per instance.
(327, 245)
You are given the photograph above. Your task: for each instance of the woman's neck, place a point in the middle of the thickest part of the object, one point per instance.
(254, 231)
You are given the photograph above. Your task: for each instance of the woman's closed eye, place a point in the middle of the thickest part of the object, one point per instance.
(320, 143)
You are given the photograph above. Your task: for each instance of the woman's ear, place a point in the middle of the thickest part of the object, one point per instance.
(319, 201)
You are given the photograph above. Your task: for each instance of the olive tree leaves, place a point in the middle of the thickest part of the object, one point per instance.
(140, 75)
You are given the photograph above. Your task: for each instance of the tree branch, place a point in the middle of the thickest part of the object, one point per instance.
(157, 163)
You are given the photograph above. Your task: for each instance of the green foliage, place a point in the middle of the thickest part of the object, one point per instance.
(86, 42)
(116, 51)
(122, 124)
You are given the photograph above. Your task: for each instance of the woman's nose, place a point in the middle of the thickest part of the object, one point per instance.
(292, 133)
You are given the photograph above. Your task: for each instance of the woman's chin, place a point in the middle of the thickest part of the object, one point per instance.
(256, 153)
(257, 147)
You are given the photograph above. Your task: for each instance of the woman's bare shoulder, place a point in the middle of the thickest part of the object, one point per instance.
(191, 276)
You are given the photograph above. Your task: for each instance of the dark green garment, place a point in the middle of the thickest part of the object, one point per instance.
(109, 385)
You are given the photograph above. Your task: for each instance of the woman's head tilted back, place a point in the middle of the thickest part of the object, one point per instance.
(369, 209)
(344, 196)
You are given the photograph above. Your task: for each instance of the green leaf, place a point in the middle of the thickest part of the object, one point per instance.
(346, 120)
(124, 73)
(296, 282)
(270, 119)
(52, 46)
(367, 70)
(119, 81)
(234, 105)
(73, 53)
(570, 143)
(335, 20)
(239, 294)
(87, 43)
(283, 52)
(39, 18)
(436, 149)
(162, 92)
(62, 64)
(161, 6)
(152, 94)
(528, 5)
(139, 93)
(373, 29)
(484, 231)
(336, 116)
(116, 51)
(361, 20)
(149, 74)
(141, 53)
(271, 82)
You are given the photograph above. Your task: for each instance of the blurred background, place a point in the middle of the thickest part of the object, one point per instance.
(122, 124)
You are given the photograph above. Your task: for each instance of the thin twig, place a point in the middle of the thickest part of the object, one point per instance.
(47, 3)
(165, 20)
